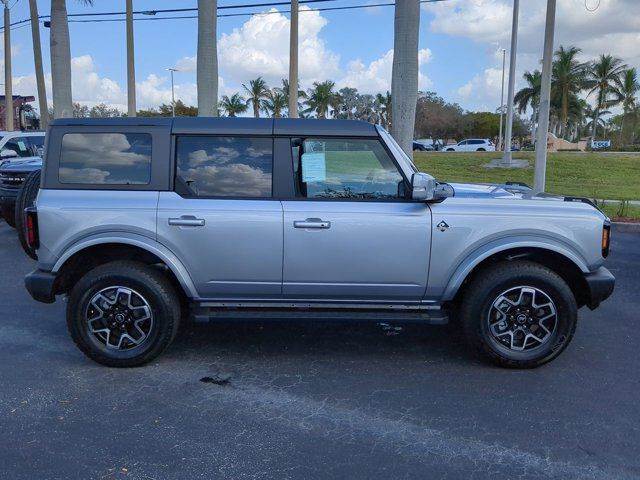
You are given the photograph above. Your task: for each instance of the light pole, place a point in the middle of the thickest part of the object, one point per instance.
(131, 66)
(293, 61)
(506, 157)
(545, 100)
(504, 60)
(8, 86)
(173, 97)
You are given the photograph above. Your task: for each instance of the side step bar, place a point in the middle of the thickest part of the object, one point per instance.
(200, 313)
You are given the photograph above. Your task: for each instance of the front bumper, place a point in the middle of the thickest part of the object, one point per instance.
(40, 285)
(600, 286)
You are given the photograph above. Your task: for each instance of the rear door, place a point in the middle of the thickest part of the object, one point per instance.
(221, 219)
(350, 234)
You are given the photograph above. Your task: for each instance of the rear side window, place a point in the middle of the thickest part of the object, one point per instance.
(210, 166)
(105, 158)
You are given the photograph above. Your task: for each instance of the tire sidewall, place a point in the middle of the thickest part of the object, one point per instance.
(159, 336)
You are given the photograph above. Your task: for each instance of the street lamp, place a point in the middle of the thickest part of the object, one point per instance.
(506, 157)
(504, 59)
(173, 96)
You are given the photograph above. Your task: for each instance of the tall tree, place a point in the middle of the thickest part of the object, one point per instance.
(258, 90)
(275, 103)
(567, 81)
(234, 105)
(320, 97)
(602, 77)
(61, 59)
(404, 77)
(626, 91)
(300, 95)
(37, 58)
(207, 58)
(385, 107)
(131, 64)
(529, 96)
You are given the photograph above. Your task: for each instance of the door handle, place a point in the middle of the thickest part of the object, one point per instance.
(187, 221)
(311, 223)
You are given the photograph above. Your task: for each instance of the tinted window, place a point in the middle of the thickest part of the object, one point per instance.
(224, 166)
(352, 168)
(476, 142)
(19, 145)
(105, 158)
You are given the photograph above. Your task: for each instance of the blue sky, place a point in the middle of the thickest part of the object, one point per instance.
(460, 42)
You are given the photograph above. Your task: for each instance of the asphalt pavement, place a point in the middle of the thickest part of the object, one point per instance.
(319, 400)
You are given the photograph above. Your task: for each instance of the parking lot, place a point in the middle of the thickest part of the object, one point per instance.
(283, 400)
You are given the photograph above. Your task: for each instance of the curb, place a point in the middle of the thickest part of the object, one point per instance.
(625, 227)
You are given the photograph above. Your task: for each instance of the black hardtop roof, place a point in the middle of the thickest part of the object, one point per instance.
(235, 126)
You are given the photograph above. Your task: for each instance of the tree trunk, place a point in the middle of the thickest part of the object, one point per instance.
(131, 65)
(207, 58)
(60, 61)
(37, 58)
(293, 61)
(404, 79)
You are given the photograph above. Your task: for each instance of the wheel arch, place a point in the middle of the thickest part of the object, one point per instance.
(563, 262)
(90, 253)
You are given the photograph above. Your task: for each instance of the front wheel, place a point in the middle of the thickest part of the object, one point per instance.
(519, 314)
(123, 314)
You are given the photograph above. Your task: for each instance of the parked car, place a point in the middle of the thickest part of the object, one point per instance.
(21, 144)
(472, 145)
(143, 221)
(12, 176)
(421, 147)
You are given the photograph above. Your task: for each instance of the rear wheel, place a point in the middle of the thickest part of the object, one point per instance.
(481, 150)
(123, 314)
(519, 314)
(26, 198)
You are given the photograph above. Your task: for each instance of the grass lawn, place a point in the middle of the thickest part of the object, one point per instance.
(611, 176)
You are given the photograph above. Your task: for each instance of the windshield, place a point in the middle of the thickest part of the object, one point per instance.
(403, 158)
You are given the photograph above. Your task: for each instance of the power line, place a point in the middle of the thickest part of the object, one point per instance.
(243, 14)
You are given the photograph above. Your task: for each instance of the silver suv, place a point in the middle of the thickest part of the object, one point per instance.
(143, 222)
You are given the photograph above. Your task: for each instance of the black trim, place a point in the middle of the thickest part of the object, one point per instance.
(600, 284)
(40, 285)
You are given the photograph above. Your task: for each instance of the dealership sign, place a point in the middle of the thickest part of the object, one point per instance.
(600, 144)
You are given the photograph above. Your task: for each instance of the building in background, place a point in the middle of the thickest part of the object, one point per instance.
(24, 116)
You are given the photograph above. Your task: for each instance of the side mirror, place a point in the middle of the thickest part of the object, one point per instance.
(423, 187)
(8, 153)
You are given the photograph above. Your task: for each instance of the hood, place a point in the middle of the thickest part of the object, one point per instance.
(25, 164)
(491, 190)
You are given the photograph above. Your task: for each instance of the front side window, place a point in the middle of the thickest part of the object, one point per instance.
(105, 158)
(210, 166)
(347, 169)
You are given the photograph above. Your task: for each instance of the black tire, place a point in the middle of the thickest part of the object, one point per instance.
(449, 150)
(481, 150)
(9, 215)
(26, 198)
(145, 281)
(487, 287)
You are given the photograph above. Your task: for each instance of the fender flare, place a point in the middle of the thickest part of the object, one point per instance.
(140, 241)
(481, 253)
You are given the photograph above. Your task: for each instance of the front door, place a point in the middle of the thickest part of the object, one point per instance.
(221, 220)
(350, 235)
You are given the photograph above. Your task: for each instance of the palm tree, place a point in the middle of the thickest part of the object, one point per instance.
(302, 95)
(627, 90)
(320, 98)
(594, 117)
(404, 76)
(275, 103)
(37, 58)
(602, 77)
(234, 105)
(61, 59)
(384, 109)
(568, 79)
(258, 92)
(529, 96)
(207, 68)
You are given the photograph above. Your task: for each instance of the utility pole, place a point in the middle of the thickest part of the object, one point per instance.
(37, 59)
(173, 97)
(8, 86)
(293, 61)
(504, 60)
(507, 157)
(131, 66)
(545, 100)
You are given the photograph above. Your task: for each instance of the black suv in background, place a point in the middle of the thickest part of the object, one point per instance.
(13, 173)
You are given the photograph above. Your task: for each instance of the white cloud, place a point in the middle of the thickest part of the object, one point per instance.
(261, 47)
(376, 76)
